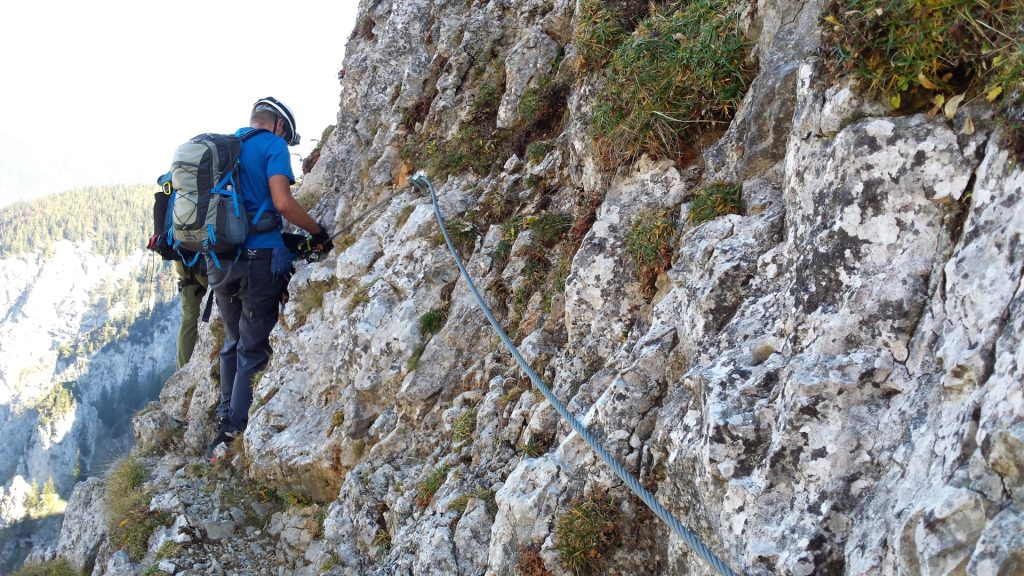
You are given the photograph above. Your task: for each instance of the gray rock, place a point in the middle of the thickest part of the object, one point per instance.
(87, 514)
(527, 63)
(943, 532)
(118, 565)
(825, 383)
(218, 529)
(472, 538)
(1000, 549)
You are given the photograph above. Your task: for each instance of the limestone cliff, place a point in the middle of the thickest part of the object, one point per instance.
(69, 382)
(828, 382)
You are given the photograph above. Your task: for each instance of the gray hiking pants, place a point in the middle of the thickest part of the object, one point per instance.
(248, 293)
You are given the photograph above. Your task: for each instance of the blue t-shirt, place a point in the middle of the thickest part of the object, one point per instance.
(263, 155)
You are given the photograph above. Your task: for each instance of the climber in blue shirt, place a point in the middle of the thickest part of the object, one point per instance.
(264, 149)
(248, 291)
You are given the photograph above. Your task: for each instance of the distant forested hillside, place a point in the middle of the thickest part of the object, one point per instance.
(117, 218)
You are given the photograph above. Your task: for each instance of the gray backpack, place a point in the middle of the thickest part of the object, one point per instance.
(208, 216)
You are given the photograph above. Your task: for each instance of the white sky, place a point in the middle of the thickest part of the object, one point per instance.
(102, 92)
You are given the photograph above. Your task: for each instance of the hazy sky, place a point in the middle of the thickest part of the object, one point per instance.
(102, 92)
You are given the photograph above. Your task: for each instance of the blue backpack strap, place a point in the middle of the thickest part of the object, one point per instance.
(176, 245)
(220, 188)
(266, 203)
(216, 259)
(263, 208)
(189, 263)
(234, 197)
(170, 212)
(165, 182)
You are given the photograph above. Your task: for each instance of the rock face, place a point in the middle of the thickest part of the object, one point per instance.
(826, 383)
(87, 513)
(46, 306)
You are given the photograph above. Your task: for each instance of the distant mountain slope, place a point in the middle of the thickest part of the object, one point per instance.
(87, 329)
(116, 219)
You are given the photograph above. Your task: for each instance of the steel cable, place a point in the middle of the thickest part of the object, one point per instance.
(421, 181)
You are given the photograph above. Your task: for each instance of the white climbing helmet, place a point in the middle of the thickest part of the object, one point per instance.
(280, 110)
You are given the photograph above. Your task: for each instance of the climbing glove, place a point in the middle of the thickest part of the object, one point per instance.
(322, 237)
(311, 248)
(321, 244)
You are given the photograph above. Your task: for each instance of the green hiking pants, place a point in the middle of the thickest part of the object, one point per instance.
(192, 284)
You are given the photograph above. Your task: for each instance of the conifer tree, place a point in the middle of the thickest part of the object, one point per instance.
(32, 499)
(49, 500)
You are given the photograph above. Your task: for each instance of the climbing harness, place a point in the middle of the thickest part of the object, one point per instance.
(420, 181)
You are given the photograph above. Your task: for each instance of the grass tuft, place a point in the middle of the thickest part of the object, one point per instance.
(486, 101)
(414, 360)
(459, 504)
(585, 534)
(382, 540)
(311, 297)
(542, 104)
(261, 401)
(713, 200)
(478, 146)
(650, 242)
(58, 567)
(329, 562)
(496, 206)
(463, 235)
(168, 550)
(531, 449)
(530, 562)
(549, 227)
(603, 26)
(360, 296)
(125, 491)
(432, 322)
(510, 398)
(131, 522)
(1010, 78)
(430, 485)
(909, 51)
(243, 494)
(536, 151)
(470, 150)
(464, 425)
(545, 266)
(337, 420)
(218, 332)
(681, 73)
(314, 156)
(198, 469)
